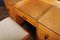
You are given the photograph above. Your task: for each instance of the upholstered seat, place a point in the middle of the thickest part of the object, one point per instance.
(10, 30)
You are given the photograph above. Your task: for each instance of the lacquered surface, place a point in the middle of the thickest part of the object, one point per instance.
(52, 19)
(51, 2)
(33, 8)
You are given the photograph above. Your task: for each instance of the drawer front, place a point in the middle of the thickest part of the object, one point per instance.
(26, 17)
(44, 33)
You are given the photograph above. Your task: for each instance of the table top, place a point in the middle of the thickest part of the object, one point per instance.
(35, 10)
(51, 2)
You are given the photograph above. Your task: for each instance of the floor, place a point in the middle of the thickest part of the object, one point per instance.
(3, 11)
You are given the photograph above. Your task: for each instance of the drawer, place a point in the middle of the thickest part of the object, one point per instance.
(44, 33)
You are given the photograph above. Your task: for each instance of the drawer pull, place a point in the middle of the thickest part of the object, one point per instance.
(46, 36)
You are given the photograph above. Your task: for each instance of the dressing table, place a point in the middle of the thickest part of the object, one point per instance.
(43, 15)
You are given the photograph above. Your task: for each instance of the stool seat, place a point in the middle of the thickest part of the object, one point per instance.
(10, 30)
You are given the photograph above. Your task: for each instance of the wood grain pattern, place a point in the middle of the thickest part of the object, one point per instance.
(51, 2)
(33, 8)
(52, 19)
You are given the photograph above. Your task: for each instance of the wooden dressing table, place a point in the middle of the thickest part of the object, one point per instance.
(44, 16)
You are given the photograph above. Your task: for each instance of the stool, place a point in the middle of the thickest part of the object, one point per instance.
(10, 30)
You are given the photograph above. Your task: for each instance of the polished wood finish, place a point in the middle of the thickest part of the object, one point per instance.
(30, 11)
(40, 13)
(52, 19)
(35, 9)
(51, 2)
